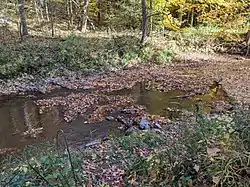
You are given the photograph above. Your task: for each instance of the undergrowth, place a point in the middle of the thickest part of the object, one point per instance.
(52, 57)
(210, 152)
(98, 52)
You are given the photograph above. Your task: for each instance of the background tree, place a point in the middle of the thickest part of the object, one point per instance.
(23, 23)
(144, 21)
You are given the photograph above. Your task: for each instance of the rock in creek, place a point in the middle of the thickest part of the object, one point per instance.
(110, 118)
(144, 124)
(157, 126)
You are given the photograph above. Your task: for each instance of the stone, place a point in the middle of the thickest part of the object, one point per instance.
(93, 143)
(157, 126)
(144, 124)
(110, 118)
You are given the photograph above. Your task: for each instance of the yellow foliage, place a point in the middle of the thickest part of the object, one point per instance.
(210, 11)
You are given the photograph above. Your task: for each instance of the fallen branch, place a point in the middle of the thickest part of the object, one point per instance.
(183, 96)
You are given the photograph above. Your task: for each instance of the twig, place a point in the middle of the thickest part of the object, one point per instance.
(5, 185)
(182, 96)
(68, 153)
(38, 173)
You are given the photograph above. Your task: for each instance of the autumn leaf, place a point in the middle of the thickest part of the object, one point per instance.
(213, 151)
(216, 180)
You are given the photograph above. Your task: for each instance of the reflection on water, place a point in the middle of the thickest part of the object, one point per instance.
(20, 123)
(165, 104)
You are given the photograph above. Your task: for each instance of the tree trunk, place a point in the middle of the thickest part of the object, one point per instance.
(71, 12)
(41, 5)
(46, 9)
(248, 42)
(23, 23)
(84, 21)
(151, 16)
(37, 11)
(192, 18)
(51, 16)
(68, 13)
(144, 21)
(99, 6)
(180, 17)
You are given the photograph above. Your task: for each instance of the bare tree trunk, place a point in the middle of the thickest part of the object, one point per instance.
(51, 16)
(84, 21)
(188, 18)
(151, 16)
(71, 12)
(180, 17)
(144, 21)
(37, 11)
(41, 5)
(248, 42)
(99, 6)
(23, 23)
(192, 18)
(46, 9)
(68, 13)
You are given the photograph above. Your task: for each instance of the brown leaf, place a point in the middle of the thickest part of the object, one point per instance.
(212, 151)
(216, 180)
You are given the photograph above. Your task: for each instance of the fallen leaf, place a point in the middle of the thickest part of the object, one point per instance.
(196, 168)
(213, 151)
(216, 180)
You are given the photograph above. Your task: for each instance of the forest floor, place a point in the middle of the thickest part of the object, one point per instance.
(195, 149)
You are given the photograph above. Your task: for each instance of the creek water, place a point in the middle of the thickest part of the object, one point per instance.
(21, 124)
(20, 121)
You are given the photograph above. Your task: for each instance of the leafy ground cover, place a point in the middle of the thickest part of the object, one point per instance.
(98, 52)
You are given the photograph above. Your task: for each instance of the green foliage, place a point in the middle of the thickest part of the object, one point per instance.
(30, 58)
(41, 166)
(88, 54)
(164, 57)
(213, 151)
(143, 140)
